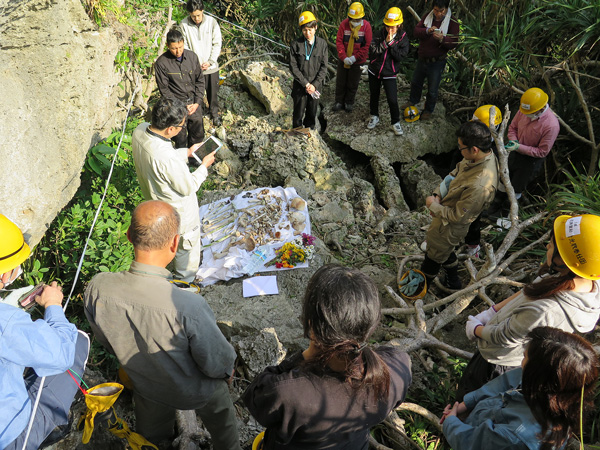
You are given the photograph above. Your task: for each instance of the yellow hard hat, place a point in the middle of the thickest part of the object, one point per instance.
(483, 114)
(13, 248)
(306, 17)
(533, 100)
(258, 441)
(393, 17)
(411, 114)
(578, 244)
(356, 11)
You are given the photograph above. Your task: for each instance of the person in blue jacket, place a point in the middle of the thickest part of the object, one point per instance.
(30, 350)
(533, 407)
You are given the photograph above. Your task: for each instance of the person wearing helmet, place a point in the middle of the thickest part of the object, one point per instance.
(388, 48)
(531, 135)
(308, 64)
(483, 115)
(44, 348)
(565, 295)
(353, 40)
(437, 32)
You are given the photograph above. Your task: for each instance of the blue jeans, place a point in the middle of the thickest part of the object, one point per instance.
(433, 72)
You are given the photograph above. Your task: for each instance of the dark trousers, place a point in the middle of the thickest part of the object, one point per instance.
(523, 169)
(346, 83)
(156, 422)
(433, 72)
(390, 86)
(211, 82)
(305, 108)
(56, 398)
(193, 132)
(477, 373)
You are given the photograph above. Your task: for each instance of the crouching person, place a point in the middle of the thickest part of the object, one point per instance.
(332, 393)
(30, 350)
(166, 338)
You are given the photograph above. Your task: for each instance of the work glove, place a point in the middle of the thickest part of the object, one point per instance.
(512, 146)
(410, 283)
(348, 61)
(445, 185)
(485, 316)
(472, 323)
(352, 59)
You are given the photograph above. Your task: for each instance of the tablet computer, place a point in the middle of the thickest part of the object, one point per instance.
(211, 144)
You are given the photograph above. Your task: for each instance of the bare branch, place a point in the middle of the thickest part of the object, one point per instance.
(424, 412)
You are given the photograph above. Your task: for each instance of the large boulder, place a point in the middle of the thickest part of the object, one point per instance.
(57, 83)
(270, 84)
(420, 138)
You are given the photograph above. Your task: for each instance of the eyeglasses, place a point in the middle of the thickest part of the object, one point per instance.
(460, 149)
(179, 126)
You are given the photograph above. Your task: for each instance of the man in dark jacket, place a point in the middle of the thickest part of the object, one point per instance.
(308, 63)
(179, 75)
(437, 33)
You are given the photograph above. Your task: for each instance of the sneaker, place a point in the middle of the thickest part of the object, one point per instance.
(397, 129)
(406, 105)
(426, 115)
(473, 250)
(349, 107)
(337, 107)
(373, 122)
(424, 246)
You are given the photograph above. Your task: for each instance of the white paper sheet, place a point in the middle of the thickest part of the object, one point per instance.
(261, 285)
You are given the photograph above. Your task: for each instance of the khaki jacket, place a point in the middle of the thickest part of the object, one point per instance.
(471, 191)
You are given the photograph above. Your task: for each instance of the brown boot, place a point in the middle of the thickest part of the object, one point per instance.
(426, 115)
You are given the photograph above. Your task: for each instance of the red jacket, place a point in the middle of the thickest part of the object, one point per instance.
(361, 45)
(429, 47)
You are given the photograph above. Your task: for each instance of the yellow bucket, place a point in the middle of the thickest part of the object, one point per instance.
(420, 294)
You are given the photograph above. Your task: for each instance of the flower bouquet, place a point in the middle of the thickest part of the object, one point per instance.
(294, 252)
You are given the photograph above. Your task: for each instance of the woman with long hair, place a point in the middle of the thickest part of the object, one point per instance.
(533, 407)
(329, 395)
(565, 296)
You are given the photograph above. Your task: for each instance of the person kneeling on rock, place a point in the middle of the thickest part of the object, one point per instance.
(471, 190)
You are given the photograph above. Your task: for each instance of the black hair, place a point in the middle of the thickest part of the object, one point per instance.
(441, 3)
(341, 311)
(168, 112)
(560, 280)
(475, 134)
(311, 24)
(194, 5)
(561, 367)
(174, 36)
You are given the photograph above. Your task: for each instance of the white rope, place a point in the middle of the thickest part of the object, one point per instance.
(39, 392)
(248, 31)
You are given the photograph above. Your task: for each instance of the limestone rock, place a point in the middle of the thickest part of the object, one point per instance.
(304, 188)
(268, 83)
(364, 201)
(332, 179)
(420, 138)
(388, 184)
(57, 83)
(277, 156)
(258, 351)
(419, 181)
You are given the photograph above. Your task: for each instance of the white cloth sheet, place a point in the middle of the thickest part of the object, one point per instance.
(218, 265)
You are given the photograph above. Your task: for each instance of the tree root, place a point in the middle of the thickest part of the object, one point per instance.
(424, 412)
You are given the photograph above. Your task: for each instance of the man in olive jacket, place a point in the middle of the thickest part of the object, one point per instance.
(166, 338)
(471, 189)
